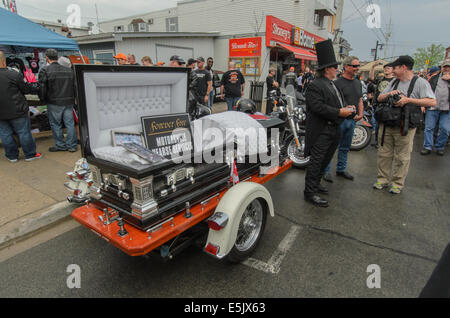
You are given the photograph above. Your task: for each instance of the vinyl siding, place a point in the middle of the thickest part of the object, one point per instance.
(159, 21)
(237, 16)
(147, 46)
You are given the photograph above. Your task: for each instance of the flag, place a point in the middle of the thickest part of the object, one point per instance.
(234, 176)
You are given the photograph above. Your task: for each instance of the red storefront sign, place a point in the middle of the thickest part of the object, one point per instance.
(280, 31)
(245, 47)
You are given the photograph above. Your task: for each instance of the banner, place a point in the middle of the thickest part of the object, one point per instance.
(245, 47)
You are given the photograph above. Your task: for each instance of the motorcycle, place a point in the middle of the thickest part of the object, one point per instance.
(362, 134)
(292, 109)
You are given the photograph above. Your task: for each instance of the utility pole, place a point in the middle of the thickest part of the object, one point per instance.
(378, 45)
(96, 13)
(388, 36)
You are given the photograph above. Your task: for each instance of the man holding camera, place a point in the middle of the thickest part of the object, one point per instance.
(440, 84)
(396, 140)
(326, 110)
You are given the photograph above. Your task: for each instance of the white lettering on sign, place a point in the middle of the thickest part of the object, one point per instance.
(249, 45)
(307, 40)
(285, 34)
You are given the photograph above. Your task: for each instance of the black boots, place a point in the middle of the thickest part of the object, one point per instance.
(316, 200)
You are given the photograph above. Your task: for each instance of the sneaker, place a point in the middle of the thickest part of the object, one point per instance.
(36, 156)
(12, 160)
(379, 185)
(440, 152)
(73, 149)
(425, 152)
(395, 190)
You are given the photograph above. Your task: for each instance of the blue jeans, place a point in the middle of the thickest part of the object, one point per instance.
(22, 128)
(211, 98)
(231, 101)
(431, 118)
(347, 129)
(56, 116)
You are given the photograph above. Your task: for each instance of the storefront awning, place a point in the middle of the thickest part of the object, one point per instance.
(299, 53)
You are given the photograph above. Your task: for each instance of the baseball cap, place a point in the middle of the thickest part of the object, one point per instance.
(446, 62)
(291, 69)
(121, 56)
(190, 61)
(402, 60)
(200, 59)
(433, 69)
(178, 59)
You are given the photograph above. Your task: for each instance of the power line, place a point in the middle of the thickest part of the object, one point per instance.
(352, 14)
(362, 17)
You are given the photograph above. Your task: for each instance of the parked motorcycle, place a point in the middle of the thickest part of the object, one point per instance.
(292, 109)
(197, 110)
(362, 134)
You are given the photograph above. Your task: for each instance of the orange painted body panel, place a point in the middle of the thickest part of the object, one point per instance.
(138, 242)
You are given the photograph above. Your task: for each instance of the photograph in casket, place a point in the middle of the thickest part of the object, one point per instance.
(117, 98)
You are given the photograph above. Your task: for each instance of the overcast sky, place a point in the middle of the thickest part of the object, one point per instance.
(415, 23)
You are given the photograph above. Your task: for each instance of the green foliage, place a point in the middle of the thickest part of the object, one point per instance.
(433, 53)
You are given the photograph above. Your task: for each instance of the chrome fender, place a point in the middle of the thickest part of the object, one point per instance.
(233, 204)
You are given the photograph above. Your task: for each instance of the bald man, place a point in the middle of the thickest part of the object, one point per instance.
(233, 83)
(14, 114)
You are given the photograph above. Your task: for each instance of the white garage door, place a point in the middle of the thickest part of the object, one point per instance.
(164, 52)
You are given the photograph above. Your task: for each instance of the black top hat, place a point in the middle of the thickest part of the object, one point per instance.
(325, 54)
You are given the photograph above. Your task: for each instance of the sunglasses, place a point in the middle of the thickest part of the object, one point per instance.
(354, 66)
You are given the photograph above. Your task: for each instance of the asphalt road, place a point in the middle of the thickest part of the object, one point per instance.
(329, 255)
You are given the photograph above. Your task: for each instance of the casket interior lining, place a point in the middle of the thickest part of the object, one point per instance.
(117, 101)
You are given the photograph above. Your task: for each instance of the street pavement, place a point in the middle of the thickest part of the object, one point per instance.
(329, 256)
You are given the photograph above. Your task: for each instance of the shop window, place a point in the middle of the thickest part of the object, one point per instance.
(249, 66)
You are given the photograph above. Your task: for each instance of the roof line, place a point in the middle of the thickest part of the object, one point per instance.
(136, 15)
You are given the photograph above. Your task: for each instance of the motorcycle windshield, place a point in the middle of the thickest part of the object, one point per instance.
(291, 97)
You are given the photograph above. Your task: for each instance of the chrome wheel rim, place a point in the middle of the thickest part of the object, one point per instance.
(296, 155)
(359, 136)
(250, 226)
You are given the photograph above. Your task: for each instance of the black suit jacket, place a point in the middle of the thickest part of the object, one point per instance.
(322, 107)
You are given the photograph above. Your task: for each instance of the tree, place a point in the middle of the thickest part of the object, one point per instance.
(433, 53)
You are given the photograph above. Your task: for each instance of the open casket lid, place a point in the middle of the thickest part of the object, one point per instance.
(116, 97)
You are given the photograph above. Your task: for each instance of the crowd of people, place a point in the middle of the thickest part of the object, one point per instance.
(204, 80)
(332, 113)
(399, 96)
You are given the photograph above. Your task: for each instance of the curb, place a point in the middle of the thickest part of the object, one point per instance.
(25, 226)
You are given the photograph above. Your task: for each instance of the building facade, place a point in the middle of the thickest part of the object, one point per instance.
(281, 33)
(160, 46)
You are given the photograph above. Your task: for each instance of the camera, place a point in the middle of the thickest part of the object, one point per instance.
(396, 98)
(353, 114)
(392, 100)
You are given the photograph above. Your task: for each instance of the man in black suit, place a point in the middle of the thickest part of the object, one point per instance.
(326, 110)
